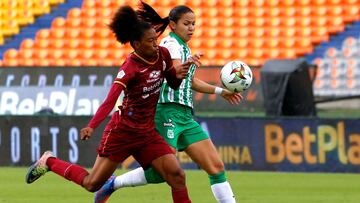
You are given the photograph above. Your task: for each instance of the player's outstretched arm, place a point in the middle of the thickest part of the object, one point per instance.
(104, 110)
(204, 87)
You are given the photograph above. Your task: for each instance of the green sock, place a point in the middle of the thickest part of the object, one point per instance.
(217, 178)
(153, 176)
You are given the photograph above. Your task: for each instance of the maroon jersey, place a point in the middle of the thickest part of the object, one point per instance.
(141, 82)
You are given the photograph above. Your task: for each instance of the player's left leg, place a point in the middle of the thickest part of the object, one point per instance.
(205, 155)
(169, 168)
(101, 171)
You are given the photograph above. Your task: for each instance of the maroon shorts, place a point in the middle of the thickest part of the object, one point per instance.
(118, 143)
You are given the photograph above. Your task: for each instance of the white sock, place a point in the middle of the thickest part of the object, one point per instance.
(132, 178)
(223, 192)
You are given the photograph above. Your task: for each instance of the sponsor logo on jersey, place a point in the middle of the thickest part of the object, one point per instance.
(120, 74)
(169, 124)
(155, 74)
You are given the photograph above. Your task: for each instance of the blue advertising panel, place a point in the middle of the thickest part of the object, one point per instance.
(255, 144)
(287, 144)
(77, 90)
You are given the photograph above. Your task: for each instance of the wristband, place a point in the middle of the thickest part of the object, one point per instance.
(218, 90)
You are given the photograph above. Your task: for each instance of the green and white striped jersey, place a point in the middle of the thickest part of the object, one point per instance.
(178, 50)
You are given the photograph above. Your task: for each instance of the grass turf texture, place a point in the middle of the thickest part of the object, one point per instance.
(249, 187)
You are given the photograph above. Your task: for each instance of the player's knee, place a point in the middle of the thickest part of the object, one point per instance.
(178, 174)
(214, 168)
(219, 166)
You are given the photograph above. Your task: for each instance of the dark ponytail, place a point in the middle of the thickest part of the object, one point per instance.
(126, 25)
(148, 14)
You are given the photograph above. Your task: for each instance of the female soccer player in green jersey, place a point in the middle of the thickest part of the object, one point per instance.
(174, 120)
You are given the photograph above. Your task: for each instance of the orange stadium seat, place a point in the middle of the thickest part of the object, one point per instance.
(41, 62)
(225, 3)
(58, 62)
(74, 13)
(88, 4)
(27, 44)
(58, 22)
(351, 13)
(40, 54)
(101, 54)
(73, 62)
(89, 13)
(72, 43)
(26, 53)
(73, 23)
(57, 33)
(11, 54)
(41, 43)
(87, 32)
(72, 33)
(57, 43)
(43, 34)
(211, 43)
(55, 53)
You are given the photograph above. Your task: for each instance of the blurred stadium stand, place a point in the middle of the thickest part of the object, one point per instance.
(74, 33)
(251, 30)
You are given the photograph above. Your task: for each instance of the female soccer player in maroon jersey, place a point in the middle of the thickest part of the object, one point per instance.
(131, 130)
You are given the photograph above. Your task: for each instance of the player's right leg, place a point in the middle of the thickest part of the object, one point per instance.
(205, 155)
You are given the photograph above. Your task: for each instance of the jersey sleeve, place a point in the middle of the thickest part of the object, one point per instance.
(173, 47)
(124, 75)
(120, 83)
(107, 106)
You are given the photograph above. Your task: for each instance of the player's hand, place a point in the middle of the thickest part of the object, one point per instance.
(232, 97)
(86, 133)
(196, 59)
(182, 69)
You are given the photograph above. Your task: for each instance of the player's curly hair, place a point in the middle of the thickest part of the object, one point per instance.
(126, 25)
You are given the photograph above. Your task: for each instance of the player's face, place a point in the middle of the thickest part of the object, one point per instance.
(185, 26)
(148, 46)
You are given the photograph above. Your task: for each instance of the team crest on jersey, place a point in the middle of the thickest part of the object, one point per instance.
(164, 65)
(155, 74)
(170, 133)
(120, 74)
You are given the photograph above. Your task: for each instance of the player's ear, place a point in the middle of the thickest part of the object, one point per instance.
(136, 44)
(172, 25)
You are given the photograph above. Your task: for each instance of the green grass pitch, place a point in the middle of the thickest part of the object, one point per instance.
(249, 187)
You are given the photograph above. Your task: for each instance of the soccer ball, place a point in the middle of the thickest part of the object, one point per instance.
(236, 76)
